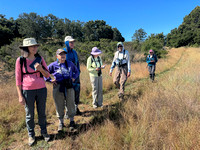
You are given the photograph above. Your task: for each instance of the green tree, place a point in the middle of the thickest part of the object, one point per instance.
(188, 32)
(155, 42)
(32, 25)
(139, 35)
(138, 38)
(95, 30)
(117, 36)
(8, 30)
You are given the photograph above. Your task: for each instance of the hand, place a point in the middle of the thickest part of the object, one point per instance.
(103, 66)
(110, 74)
(97, 69)
(54, 82)
(22, 100)
(129, 74)
(38, 67)
(73, 79)
(152, 61)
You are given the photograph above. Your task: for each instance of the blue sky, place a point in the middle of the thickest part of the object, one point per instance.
(154, 16)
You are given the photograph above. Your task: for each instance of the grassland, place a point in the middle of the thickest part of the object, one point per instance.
(161, 115)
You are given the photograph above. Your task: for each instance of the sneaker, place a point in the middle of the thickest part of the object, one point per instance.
(66, 116)
(78, 113)
(71, 125)
(31, 140)
(46, 137)
(94, 106)
(60, 127)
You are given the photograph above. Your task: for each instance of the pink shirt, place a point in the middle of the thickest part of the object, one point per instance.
(30, 81)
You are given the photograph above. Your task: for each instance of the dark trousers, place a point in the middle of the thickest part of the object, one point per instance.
(151, 70)
(39, 96)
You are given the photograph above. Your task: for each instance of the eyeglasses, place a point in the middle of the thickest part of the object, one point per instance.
(120, 46)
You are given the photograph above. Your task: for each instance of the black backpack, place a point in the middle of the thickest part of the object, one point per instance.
(92, 60)
(23, 61)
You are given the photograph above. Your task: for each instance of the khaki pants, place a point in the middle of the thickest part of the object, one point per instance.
(97, 90)
(61, 101)
(120, 78)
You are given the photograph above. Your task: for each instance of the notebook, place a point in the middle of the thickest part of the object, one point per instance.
(37, 60)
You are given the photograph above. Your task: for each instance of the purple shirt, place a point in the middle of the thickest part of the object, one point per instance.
(61, 72)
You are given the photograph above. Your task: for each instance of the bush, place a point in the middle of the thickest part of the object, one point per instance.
(155, 43)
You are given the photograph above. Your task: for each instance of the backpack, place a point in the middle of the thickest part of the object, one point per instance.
(23, 61)
(92, 60)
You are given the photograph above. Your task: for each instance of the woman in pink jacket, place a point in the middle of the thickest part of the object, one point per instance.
(29, 71)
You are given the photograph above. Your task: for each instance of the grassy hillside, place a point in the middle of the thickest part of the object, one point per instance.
(161, 115)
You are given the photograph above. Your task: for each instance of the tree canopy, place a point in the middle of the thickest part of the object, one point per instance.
(188, 33)
(50, 27)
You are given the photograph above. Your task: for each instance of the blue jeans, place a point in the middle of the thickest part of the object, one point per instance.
(39, 96)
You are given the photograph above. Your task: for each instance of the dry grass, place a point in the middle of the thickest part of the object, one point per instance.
(162, 115)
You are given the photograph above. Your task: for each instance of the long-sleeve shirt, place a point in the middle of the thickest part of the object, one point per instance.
(151, 58)
(92, 64)
(121, 55)
(61, 72)
(72, 55)
(30, 81)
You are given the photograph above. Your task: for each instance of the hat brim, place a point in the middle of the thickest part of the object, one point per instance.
(72, 40)
(29, 45)
(62, 52)
(97, 53)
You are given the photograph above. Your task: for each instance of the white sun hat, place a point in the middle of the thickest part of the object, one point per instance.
(29, 42)
(69, 38)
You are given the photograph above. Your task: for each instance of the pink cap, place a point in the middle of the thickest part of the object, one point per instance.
(150, 50)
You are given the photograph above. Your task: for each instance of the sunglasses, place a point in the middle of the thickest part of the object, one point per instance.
(120, 46)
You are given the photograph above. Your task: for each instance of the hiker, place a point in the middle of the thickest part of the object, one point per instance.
(123, 71)
(29, 71)
(151, 60)
(94, 66)
(65, 73)
(72, 56)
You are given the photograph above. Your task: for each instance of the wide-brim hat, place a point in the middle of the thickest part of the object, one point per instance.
(69, 38)
(29, 42)
(96, 51)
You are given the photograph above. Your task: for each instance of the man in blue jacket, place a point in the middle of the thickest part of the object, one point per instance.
(71, 55)
(151, 60)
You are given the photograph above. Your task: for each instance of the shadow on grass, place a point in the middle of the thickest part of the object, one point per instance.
(109, 112)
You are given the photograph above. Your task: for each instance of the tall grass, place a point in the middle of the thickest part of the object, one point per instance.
(162, 115)
(165, 116)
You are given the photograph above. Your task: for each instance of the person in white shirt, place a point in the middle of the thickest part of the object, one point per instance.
(122, 61)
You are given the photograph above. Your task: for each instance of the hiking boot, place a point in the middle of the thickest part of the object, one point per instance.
(31, 140)
(60, 127)
(71, 125)
(46, 137)
(78, 113)
(94, 106)
(120, 95)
